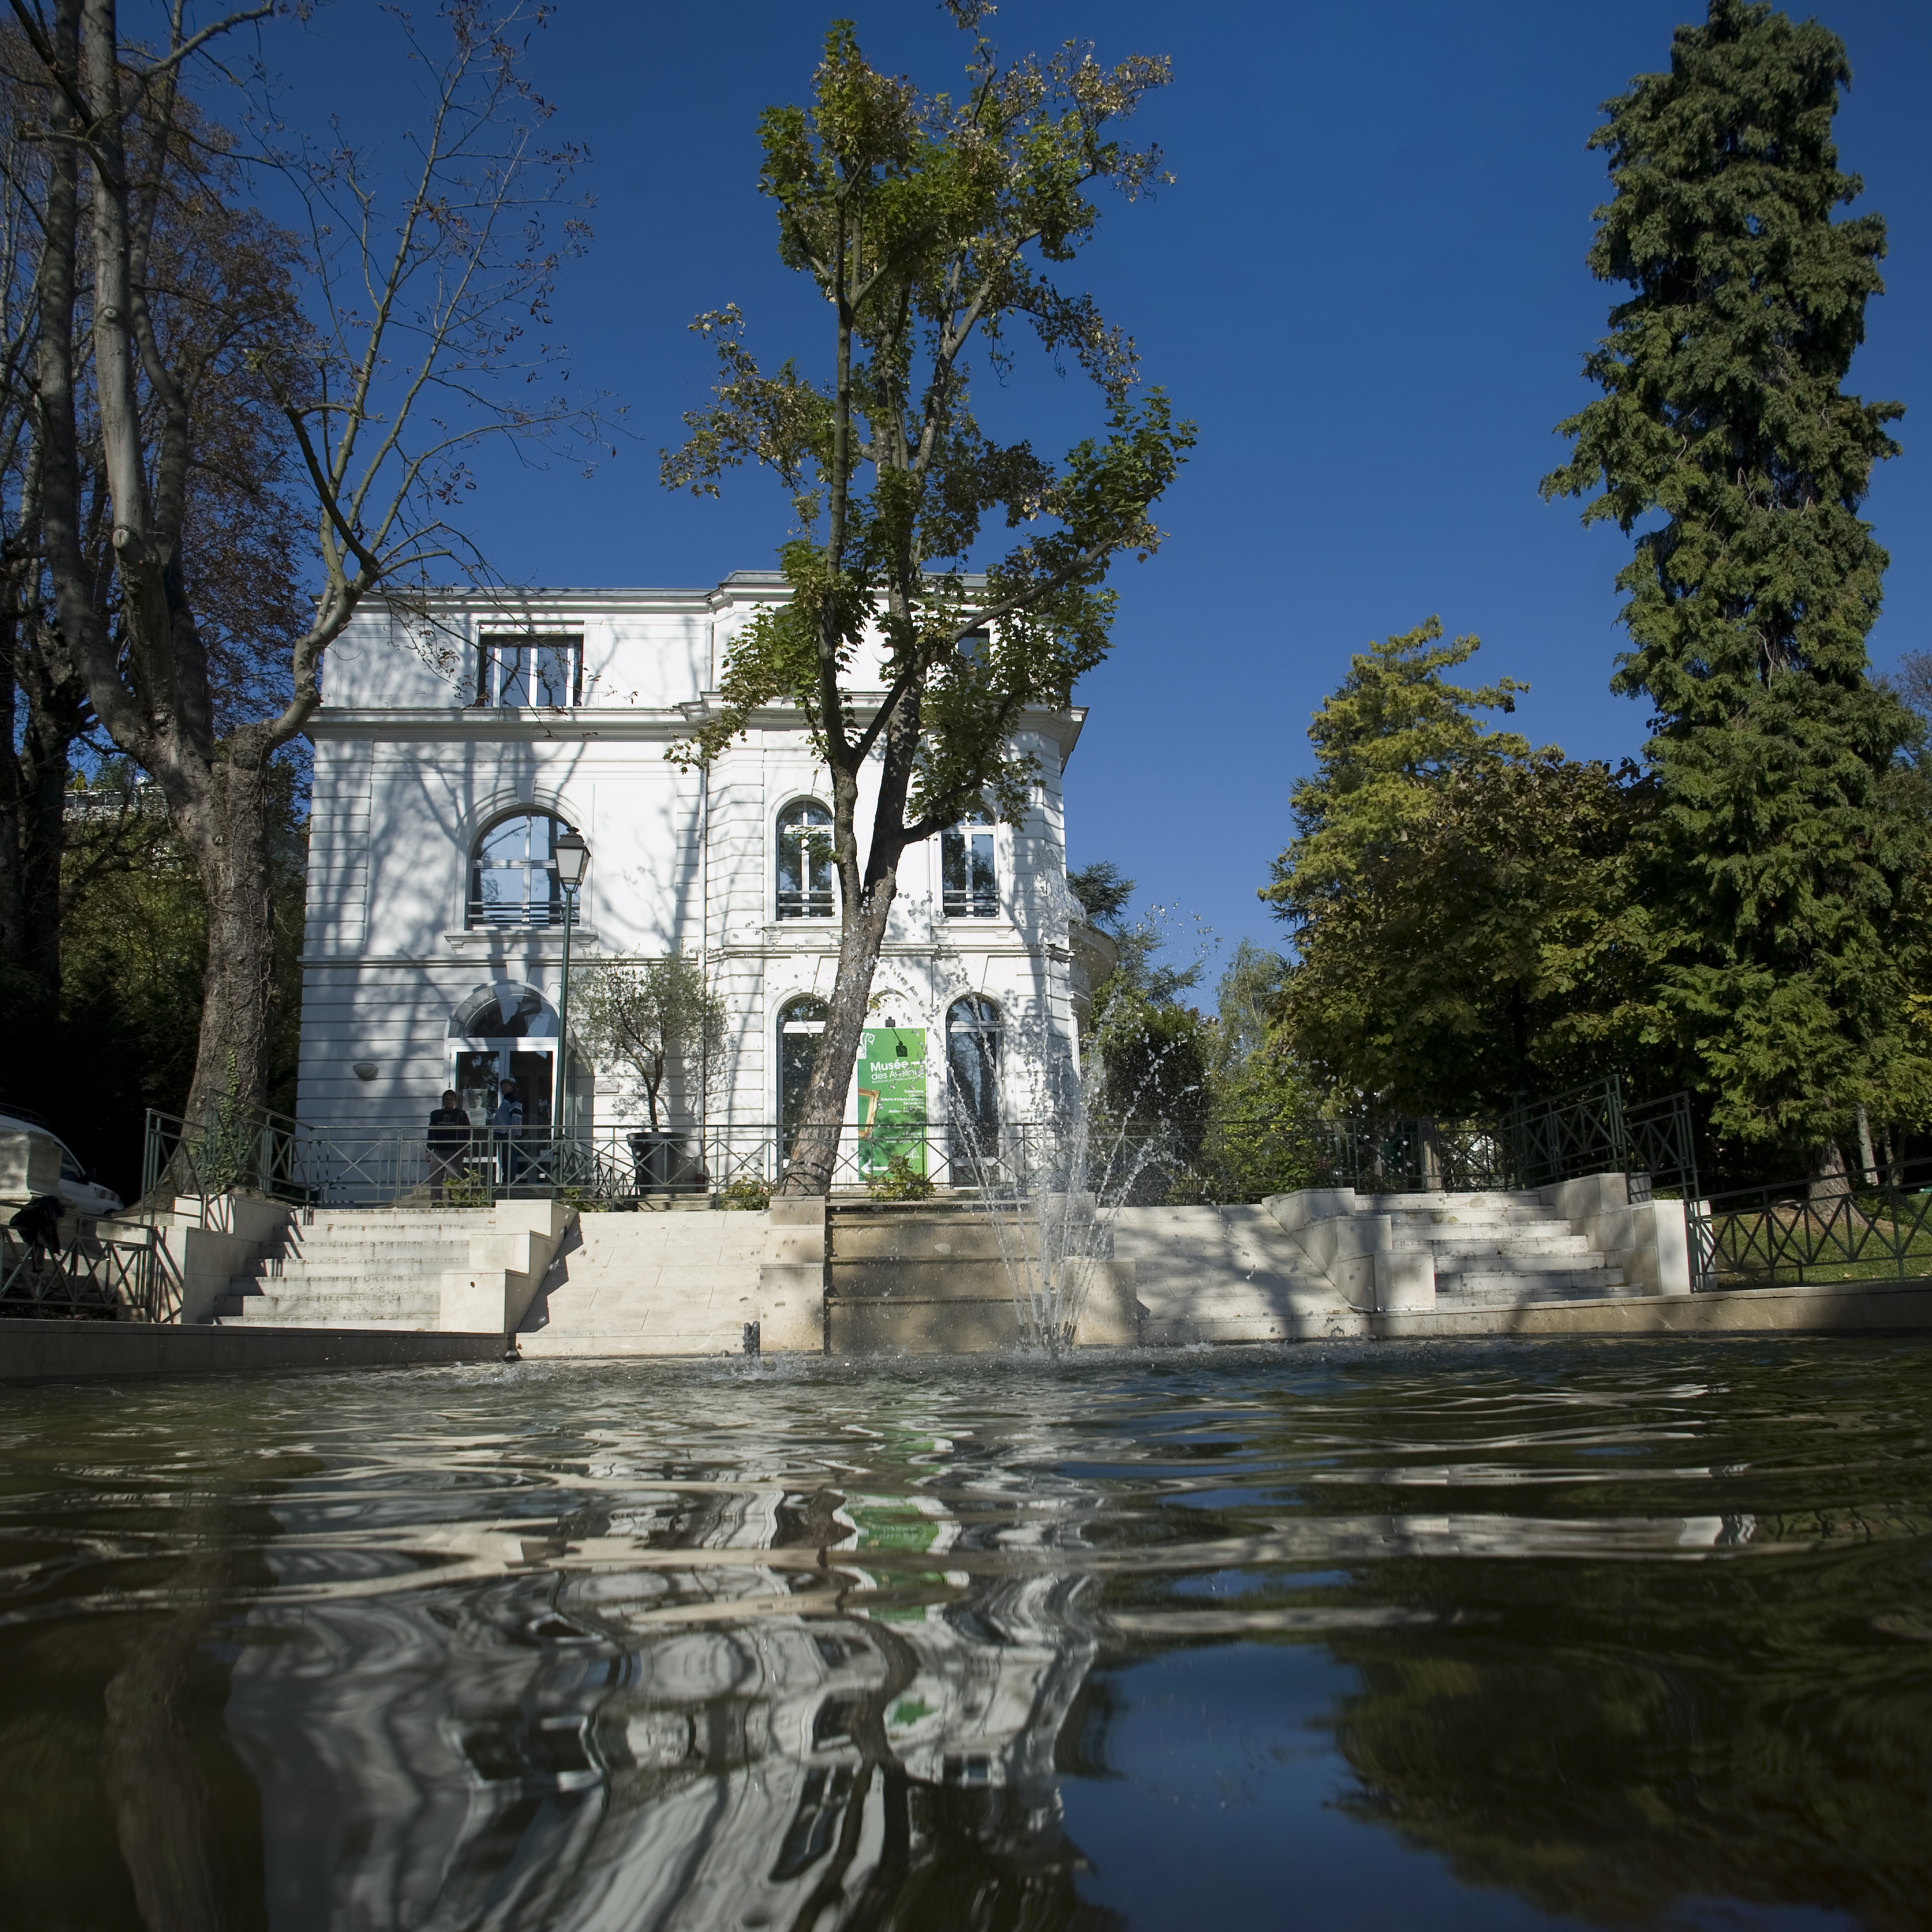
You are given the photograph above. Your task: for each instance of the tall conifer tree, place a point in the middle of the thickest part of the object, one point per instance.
(1786, 847)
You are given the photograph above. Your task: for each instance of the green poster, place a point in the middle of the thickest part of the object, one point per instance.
(891, 1097)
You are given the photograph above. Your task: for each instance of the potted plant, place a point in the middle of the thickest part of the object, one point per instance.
(642, 1018)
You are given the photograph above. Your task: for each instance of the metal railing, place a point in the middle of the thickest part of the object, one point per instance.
(278, 1159)
(1405, 1154)
(1806, 1235)
(91, 1277)
(322, 1166)
(254, 1151)
(1593, 1130)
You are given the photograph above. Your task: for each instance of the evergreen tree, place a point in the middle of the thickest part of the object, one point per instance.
(1465, 928)
(1783, 859)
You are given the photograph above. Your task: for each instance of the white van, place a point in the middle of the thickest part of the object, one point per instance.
(80, 1193)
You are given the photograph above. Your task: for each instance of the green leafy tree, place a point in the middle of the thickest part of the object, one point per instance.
(1783, 853)
(646, 1017)
(927, 225)
(134, 939)
(1462, 918)
(1262, 1110)
(354, 362)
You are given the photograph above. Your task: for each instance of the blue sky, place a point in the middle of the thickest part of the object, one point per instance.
(1367, 286)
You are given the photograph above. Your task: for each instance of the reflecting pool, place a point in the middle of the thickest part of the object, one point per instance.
(1482, 1637)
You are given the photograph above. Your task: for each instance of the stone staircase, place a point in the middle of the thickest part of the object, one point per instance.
(467, 1271)
(1498, 1250)
(931, 1277)
(1423, 1254)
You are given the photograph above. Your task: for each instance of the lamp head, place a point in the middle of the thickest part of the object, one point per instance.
(572, 856)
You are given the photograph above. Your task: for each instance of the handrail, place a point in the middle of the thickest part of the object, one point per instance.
(255, 1151)
(1808, 1233)
(94, 1276)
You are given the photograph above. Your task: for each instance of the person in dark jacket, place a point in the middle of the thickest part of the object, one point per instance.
(449, 1138)
(506, 1122)
(38, 1224)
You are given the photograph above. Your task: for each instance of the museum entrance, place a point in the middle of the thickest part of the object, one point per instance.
(505, 1031)
(480, 1072)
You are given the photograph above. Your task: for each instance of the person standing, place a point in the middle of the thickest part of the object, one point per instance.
(448, 1139)
(506, 1122)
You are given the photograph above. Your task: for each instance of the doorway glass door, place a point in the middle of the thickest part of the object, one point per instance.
(481, 1069)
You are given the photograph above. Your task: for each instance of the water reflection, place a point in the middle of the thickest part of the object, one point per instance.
(693, 1696)
(1616, 1636)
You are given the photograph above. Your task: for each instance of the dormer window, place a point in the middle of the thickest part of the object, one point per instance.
(969, 879)
(524, 673)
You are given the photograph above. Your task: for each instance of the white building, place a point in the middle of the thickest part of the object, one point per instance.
(449, 755)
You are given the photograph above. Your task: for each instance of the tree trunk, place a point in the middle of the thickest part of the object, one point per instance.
(54, 721)
(12, 790)
(33, 807)
(1868, 1160)
(822, 1118)
(865, 903)
(225, 822)
(1829, 1180)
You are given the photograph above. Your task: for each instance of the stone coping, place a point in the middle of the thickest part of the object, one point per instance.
(58, 1351)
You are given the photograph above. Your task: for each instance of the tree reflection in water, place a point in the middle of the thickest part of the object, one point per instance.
(1634, 1738)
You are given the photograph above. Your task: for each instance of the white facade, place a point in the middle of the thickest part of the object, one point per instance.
(428, 756)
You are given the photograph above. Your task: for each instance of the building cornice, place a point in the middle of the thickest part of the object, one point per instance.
(575, 725)
(539, 603)
(540, 953)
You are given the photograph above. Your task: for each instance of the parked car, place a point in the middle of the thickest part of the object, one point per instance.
(80, 1193)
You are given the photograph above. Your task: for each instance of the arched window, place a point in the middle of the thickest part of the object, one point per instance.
(805, 861)
(968, 879)
(513, 878)
(505, 1009)
(973, 1075)
(801, 1027)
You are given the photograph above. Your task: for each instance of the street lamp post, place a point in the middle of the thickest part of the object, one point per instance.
(572, 856)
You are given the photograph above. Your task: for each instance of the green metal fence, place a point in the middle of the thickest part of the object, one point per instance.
(1590, 1130)
(1809, 1233)
(89, 1277)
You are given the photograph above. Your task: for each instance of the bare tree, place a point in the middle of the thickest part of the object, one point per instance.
(243, 534)
(381, 337)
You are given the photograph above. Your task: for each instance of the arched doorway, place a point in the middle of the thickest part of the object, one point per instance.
(503, 1031)
(973, 1076)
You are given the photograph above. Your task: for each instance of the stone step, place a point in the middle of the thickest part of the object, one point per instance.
(412, 1300)
(919, 1281)
(1498, 1242)
(1453, 1203)
(1500, 1217)
(348, 1288)
(394, 1228)
(289, 1267)
(411, 1324)
(307, 1242)
(1509, 1290)
(1576, 1260)
(923, 1245)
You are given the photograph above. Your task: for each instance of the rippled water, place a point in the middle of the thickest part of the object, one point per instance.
(1617, 1635)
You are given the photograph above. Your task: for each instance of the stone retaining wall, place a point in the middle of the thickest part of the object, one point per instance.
(41, 1351)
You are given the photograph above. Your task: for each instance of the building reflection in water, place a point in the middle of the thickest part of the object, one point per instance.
(704, 1710)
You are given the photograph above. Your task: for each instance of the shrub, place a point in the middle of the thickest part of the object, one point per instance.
(900, 1181)
(746, 1193)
